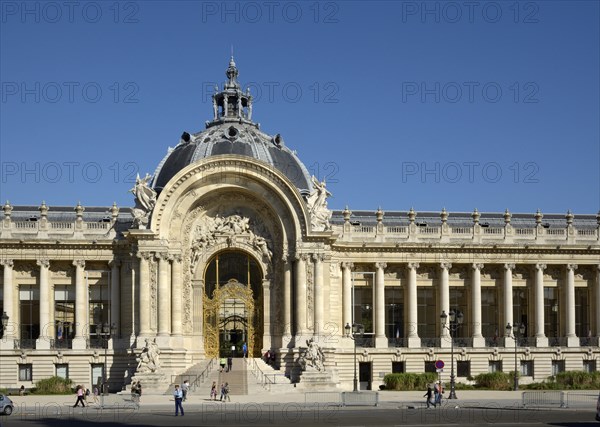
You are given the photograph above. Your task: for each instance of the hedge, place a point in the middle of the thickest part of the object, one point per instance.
(409, 381)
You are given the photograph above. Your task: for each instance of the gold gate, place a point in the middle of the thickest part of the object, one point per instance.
(236, 291)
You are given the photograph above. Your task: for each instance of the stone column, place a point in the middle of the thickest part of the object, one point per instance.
(164, 297)
(115, 295)
(43, 341)
(267, 310)
(287, 300)
(572, 339)
(380, 339)
(478, 339)
(444, 295)
(508, 304)
(411, 291)
(347, 294)
(300, 297)
(10, 331)
(540, 337)
(81, 307)
(318, 314)
(176, 300)
(144, 296)
(596, 300)
(198, 314)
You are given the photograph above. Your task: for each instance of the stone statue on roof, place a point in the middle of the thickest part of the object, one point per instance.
(145, 199)
(317, 206)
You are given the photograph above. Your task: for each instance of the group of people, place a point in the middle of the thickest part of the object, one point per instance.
(435, 392)
(226, 364)
(83, 393)
(224, 392)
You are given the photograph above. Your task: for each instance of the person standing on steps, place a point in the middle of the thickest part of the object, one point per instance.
(213, 391)
(184, 388)
(229, 363)
(178, 394)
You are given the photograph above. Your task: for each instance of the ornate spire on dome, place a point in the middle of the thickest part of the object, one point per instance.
(231, 104)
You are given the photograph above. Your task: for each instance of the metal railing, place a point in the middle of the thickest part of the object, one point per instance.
(203, 375)
(549, 398)
(557, 341)
(63, 343)
(492, 341)
(588, 341)
(365, 340)
(398, 342)
(431, 342)
(24, 343)
(261, 378)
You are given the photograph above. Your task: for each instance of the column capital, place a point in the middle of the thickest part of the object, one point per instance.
(79, 263)
(116, 263)
(301, 257)
(161, 256)
(413, 265)
(381, 265)
(10, 263)
(476, 266)
(350, 265)
(176, 258)
(509, 266)
(318, 257)
(445, 265)
(541, 267)
(572, 266)
(43, 262)
(145, 255)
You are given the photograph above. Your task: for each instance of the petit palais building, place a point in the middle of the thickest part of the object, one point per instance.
(231, 242)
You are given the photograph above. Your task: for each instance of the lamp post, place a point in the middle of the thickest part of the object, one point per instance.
(456, 320)
(107, 332)
(352, 332)
(521, 330)
(4, 319)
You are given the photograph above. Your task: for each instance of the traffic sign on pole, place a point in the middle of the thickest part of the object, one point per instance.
(439, 364)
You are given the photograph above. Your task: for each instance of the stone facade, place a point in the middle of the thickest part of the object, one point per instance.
(147, 272)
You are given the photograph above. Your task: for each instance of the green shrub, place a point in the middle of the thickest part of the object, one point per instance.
(495, 380)
(460, 386)
(4, 391)
(578, 380)
(53, 385)
(408, 381)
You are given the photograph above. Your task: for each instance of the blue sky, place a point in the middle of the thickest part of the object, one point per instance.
(396, 104)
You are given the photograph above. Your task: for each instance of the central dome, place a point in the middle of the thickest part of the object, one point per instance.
(232, 131)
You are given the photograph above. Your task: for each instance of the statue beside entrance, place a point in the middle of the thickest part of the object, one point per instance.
(148, 371)
(312, 358)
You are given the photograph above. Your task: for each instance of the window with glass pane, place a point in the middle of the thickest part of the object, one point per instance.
(520, 307)
(430, 366)
(589, 366)
(394, 312)
(1, 309)
(29, 310)
(458, 303)
(495, 366)
(582, 323)
(64, 313)
(25, 372)
(97, 373)
(527, 368)
(489, 313)
(398, 368)
(363, 304)
(463, 368)
(551, 311)
(427, 315)
(62, 370)
(558, 366)
(99, 307)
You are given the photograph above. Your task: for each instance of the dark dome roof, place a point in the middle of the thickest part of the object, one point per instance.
(232, 131)
(233, 138)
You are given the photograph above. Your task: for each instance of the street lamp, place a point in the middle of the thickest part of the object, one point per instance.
(106, 333)
(352, 332)
(521, 330)
(4, 319)
(456, 319)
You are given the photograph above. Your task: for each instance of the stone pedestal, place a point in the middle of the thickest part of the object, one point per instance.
(152, 382)
(315, 380)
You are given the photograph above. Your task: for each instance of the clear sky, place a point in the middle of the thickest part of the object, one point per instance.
(462, 105)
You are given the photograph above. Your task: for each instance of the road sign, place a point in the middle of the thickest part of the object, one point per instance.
(439, 371)
(439, 364)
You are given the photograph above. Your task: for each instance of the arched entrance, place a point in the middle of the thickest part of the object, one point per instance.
(232, 305)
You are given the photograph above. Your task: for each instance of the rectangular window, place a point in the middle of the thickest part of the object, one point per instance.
(427, 315)
(25, 372)
(458, 303)
(99, 308)
(398, 368)
(551, 312)
(1, 309)
(62, 370)
(520, 308)
(558, 366)
(589, 366)
(495, 366)
(363, 301)
(64, 314)
(430, 366)
(463, 368)
(582, 323)
(29, 311)
(527, 368)
(394, 314)
(489, 313)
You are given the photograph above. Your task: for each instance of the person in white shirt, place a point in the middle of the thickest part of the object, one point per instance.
(178, 394)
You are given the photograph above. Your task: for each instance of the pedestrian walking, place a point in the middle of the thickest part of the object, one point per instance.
(244, 350)
(96, 392)
(80, 395)
(184, 388)
(440, 391)
(213, 391)
(222, 392)
(229, 363)
(222, 362)
(429, 395)
(178, 394)
(226, 390)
